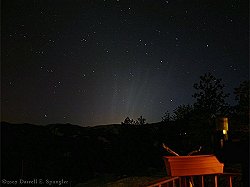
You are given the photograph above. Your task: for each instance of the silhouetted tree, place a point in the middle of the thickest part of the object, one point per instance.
(210, 103)
(242, 96)
(166, 118)
(140, 121)
(210, 97)
(182, 113)
(128, 121)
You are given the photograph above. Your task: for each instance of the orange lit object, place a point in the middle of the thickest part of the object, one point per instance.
(192, 165)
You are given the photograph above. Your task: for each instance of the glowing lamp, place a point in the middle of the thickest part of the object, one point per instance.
(222, 124)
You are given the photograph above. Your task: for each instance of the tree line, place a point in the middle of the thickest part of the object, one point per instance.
(210, 102)
(197, 122)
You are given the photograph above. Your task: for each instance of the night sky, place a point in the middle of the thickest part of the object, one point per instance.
(97, 62)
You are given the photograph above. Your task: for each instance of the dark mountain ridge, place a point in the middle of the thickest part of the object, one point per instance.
(80, 153)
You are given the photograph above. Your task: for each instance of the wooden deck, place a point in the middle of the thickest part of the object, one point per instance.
(194, 171)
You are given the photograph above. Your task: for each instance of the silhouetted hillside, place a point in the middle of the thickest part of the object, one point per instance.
(81, 153)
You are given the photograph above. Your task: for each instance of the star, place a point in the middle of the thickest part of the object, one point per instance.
(83, 40)
(138, 50)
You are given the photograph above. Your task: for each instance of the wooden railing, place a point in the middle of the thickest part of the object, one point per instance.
(166, 181)
(215, 180)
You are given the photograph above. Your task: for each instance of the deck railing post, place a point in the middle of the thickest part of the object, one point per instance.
(215, 181)
(179, 181)
(184, 181)
(230, 181)
(202, 181)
